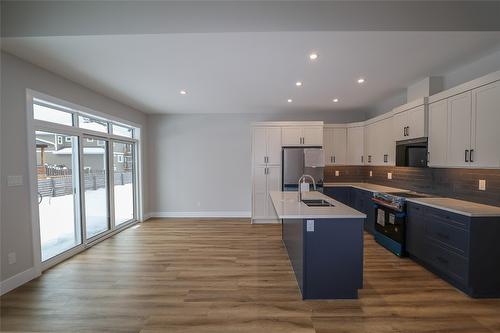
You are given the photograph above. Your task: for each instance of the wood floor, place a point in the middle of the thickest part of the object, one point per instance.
(229, 276)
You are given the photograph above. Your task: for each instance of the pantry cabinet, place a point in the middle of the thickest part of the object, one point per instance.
(265, 180)
(335, 145)
(302, 136)
(267, 145)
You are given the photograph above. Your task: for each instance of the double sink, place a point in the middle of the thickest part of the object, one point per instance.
(317, 203)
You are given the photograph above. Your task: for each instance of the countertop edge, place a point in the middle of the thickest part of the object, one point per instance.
(452, 210)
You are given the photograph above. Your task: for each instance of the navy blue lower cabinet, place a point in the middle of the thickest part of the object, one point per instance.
(339, 193)
(326, 256)
(462, 250)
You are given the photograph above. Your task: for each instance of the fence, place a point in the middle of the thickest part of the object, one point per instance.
(62, 185)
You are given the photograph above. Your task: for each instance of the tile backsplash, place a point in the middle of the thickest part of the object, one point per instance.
(447, 182)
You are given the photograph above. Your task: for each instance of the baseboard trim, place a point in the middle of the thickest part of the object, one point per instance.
(146, 217)
(202, 214)
(18, 280)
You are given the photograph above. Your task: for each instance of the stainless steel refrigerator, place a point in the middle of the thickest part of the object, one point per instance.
(294, 166)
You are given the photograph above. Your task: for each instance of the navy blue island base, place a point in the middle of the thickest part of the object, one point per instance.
(326, 256)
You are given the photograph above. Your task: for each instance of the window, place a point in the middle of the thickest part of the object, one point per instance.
(45, 113)
(76, 208)
(122, 130)
(93, 124)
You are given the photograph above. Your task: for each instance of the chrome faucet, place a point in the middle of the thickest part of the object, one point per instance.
(303, 178)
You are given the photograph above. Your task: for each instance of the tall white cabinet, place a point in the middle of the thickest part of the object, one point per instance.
(266, 147)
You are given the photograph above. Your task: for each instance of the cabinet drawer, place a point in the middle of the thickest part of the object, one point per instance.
(446, 234)
(449, 263)
(415, 209)
(444, 216)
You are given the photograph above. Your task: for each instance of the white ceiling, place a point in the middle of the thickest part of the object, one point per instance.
(252, 72)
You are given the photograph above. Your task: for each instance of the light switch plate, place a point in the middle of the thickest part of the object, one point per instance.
(310, 226)
(337, 173)
(482, 184)
(371, 173)
(12, 258)
(14, 180)
(389, 175)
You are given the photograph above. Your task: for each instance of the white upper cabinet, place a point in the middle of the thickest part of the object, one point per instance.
(303, 136)
(355, 145)
(292, 136)
(386, 142)
(335, 145)
(438, 133)
(459, 129)
(410, 124)
(485, 136)
(267, 145)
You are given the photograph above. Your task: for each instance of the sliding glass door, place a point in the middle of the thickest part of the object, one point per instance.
(123, 181)
(58, 188)
(95, 178)
(85, 184)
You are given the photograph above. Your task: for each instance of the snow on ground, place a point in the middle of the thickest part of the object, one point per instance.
(57, 226)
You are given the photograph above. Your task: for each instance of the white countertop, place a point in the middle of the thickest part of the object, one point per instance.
(459, 206)
(288, 206)
(367, 187)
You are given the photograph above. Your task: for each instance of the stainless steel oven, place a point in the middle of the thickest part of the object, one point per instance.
(390, 220)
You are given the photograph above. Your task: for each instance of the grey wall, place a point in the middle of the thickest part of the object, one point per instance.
(202, 163)
(16, 76)
(451, 78)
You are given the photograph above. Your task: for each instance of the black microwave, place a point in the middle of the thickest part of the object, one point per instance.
(412, 153)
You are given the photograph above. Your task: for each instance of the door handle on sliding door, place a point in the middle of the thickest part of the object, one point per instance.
(467, 155)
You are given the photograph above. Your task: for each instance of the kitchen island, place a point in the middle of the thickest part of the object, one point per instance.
(324, 244)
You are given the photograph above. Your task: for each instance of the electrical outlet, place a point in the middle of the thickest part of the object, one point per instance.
(389, 175)
(482, 184)
(371, 173)
(337, 173)
(12, 258)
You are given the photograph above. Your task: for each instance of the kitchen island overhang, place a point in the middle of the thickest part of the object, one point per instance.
(324, 245)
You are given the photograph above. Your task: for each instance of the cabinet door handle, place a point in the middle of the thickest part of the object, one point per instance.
(470, 157)
(334, 159)
(362, 158)
(428, 157)
(404, 131)
(467, 155)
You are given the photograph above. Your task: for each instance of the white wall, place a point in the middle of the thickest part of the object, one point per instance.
(16, 76)
(202, 163)
(451, 78)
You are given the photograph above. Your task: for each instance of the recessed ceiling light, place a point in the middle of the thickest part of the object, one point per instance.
(313, 56)
(183, 92)
(298, 84)
(361, 80)
(335, 100)
(289, 100)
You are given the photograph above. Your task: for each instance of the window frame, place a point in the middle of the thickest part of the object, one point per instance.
(34, 125)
